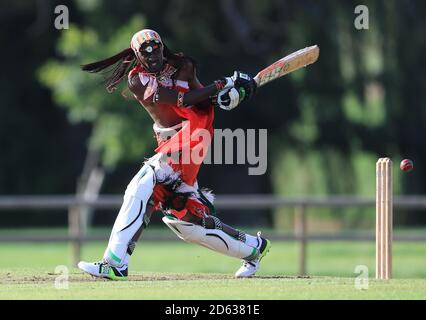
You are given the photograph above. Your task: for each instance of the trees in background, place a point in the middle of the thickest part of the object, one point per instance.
(327, 124)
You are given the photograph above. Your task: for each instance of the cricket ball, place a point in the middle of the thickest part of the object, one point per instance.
(406, 165)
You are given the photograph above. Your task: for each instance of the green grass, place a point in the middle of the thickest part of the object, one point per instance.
(213, 286)
(177, 270)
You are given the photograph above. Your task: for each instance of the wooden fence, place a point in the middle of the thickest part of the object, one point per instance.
(72, 205)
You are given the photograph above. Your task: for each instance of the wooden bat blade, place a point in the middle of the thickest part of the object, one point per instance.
(287, 64)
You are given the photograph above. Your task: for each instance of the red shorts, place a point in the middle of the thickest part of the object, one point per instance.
(186, 140)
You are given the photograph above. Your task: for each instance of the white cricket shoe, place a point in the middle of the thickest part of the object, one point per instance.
(103, 269)
(249, 268)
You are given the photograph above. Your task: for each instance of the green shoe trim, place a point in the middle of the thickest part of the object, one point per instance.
(112, 276)
(268, 246)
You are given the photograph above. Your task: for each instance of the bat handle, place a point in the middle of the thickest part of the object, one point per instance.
(257, 80)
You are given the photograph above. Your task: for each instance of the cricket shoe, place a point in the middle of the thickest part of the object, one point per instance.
(103, 269)
(249, 268)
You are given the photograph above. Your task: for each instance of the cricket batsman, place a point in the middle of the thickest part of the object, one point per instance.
(166, 85)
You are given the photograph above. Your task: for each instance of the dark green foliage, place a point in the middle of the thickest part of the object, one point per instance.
(363, 99)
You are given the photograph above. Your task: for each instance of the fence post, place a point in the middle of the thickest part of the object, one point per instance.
(74, 230)
(300, 232)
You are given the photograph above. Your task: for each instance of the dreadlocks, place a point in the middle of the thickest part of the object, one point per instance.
(116, 67)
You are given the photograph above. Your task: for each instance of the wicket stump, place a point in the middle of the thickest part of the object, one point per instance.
(384, 213)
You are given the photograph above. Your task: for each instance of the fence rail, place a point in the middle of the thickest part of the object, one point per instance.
(73, 204)
(247, 201)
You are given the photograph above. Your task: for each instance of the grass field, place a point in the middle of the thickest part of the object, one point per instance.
(176, 270)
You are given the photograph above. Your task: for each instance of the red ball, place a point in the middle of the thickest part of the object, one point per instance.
(406, 165)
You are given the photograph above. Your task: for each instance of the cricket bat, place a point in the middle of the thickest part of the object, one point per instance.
(287, 64)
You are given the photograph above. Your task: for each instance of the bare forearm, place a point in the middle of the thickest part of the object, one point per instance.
(168, 96)
(190, 98)
(199, 95)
